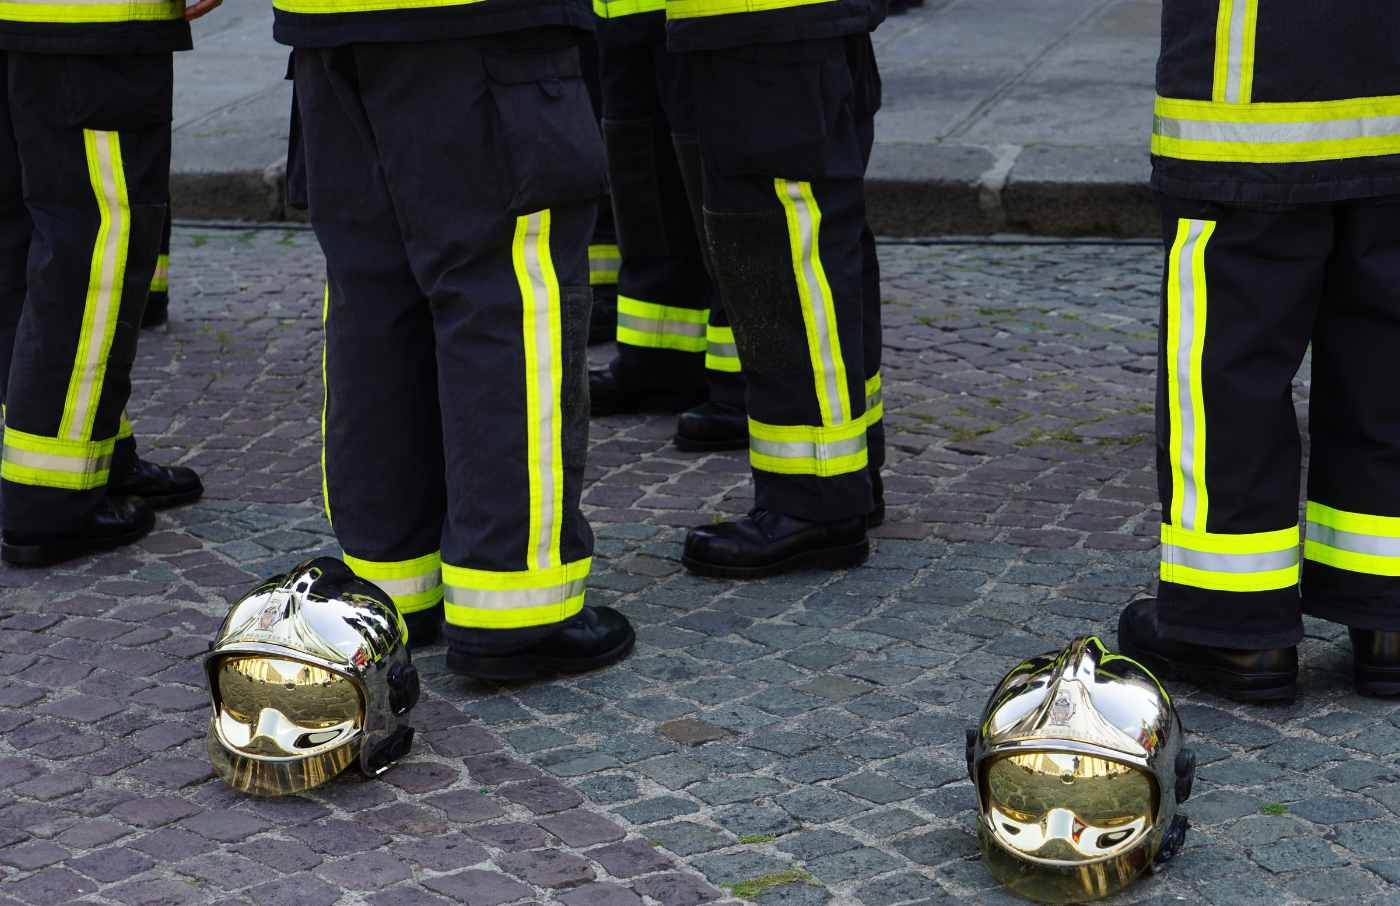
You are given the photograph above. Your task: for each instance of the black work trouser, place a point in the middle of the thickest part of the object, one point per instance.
(1244, 292)
(603, 256)
(84, 182)
(785, 134)
(664, 294)
(453, 186)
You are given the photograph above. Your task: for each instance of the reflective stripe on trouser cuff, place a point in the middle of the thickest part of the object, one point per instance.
(691, 9)
(660, 326)
(1353, 541)
(124, 430)
(616, 9)
(413, 584)
(721, 352)
(160, 280)
(804, 450)
(1186, 339)
(1276, 133)
(874, 400)
(83, 12)
(106, 275)
(51, 462)
(1258, 561)
(604, 262)
(804, 221)
(483, 599)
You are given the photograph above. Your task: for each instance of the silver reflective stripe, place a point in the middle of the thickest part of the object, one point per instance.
(1375, 545)
(515, 599)
(105, 295)
(53, 462)
(1234, 66)
(546, 366)
(402, 588)
(1186, 332)
(653, 326)
(1230, 563)
(1277, 133)
(807, 240)
(608, 263)
(805, 449)
(724, 350)
(874, 398)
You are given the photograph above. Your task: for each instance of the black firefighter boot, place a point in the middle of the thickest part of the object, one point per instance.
(610, 394)
(765, 543)
(1266, 676)
(1376, 661)
(116, 522)
(595, 637)
(712, 426)
(160, 487)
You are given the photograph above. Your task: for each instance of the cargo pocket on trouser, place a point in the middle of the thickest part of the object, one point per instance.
(550, 143)
(771, 111)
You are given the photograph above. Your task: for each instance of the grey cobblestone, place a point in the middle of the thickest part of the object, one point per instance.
(809, 724)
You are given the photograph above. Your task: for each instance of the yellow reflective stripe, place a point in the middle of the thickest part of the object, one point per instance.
(1257, 561)
(105, 280)
(53, 462)
(1276, 132)
(1357, 542)
(655, 326)
(616, 9)
(874, 400)
(721, 352)
(413, 584)
(804, 219)
(808, 450)
(604, 262)
(130, 11)
(1235, 28)
(125, 430)
(160, 279)
(690, 9)
(510, 600)
(330, 7)
(1186, 334)
(539, 292)
(325, 400)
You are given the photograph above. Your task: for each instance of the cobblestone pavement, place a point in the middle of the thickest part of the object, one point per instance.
(794, 741)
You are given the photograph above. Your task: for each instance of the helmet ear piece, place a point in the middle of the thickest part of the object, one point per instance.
(404, 688)
(1185, 774)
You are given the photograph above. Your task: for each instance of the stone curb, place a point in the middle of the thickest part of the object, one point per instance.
(914, 189)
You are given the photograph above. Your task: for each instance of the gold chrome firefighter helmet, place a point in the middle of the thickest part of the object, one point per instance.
(1079, 767)
(309, 673)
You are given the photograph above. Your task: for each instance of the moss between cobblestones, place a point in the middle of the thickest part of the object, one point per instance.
(757, 838)
(747, 890)
(1273, 808)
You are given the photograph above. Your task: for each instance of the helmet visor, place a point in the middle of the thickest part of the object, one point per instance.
(281, 725)
(1062, 827)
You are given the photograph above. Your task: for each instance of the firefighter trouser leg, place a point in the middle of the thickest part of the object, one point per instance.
(1241, 291)
(662, 306)
(604, 259)
(724, 377)
(160, 280)
(456, 419)
(1351, 568)
(785, 216)
(92, 136)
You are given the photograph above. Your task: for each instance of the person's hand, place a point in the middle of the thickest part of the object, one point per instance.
(199, 8)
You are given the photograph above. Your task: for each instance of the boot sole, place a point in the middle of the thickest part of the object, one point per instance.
(29, 555)
(1377, 683)
(693, 445)
(846, 556)
(522, 667)
(166, 501)
(1258, 688)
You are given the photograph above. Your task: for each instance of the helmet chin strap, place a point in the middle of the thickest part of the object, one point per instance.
(1172, 841)
(390, 750)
